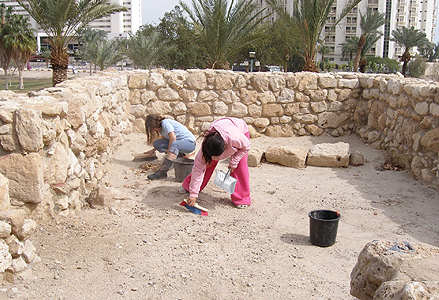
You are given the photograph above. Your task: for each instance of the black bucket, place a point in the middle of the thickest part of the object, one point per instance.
(323, 225)
(182, 167)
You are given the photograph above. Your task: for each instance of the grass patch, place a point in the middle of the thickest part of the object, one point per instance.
(30, 84)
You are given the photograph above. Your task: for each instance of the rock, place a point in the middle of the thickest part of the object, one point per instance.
(28, 128)
(386, 269)
(289, 156)
(27, 229)
(5, 229)
(16, 247)
(5, 203)
(5, 256)
(254, 157)
(29, 251)
(356, 158)
(105, 196)
(329, 155)
(15, 218)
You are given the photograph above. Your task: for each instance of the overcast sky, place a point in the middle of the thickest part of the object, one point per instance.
(153, 10)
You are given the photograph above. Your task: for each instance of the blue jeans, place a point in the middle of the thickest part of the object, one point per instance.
(178, 146)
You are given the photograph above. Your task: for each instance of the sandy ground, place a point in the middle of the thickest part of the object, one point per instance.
(149, 247)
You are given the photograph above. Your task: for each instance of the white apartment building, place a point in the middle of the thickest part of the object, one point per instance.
(420, 14)
(118, 25)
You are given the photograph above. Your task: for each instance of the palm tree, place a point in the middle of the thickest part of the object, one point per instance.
(349, 47)
(222, 31)
(323, 51)
(5, 54)
(369, 24)
(144, 48)
(107, 54)
(61, 20)
(89, 39)
(20, 42)
(307, 21)
(408, 38)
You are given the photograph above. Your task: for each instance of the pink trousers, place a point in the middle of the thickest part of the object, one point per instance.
(241, 195)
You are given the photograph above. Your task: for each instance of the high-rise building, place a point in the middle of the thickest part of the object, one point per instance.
(118, 25)
(420, 14)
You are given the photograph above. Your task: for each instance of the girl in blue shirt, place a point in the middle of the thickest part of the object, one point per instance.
(177, 140)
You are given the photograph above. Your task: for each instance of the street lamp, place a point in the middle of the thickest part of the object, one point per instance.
(252, 56)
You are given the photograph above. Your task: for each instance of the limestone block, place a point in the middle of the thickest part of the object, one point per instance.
(179, 109)
(318, 107)
(137, 81)
(27, 229)
(430, 140)
(8, 143)
(276, 83)
(158, 108)
(5, 256)
(254, 111)
(259, 82)
(261, 122)
(382, 264)
(16, 247)
(253, 132)
(326, 82)
(254, 157)
(248, 97)
(15, 218)
(138, 110)
(332, 119)
(272, 110)
(4, 193)
(196, 80)
(329, 155)
(228, 97)
(399, 289)
(145, 97)
(266, 97)
(29, 251)
(224, 81)
(284, 130)
(199, 109)
(290, 156)
(422, 108)
(305, 118)
(356, 158)
(167, 94)
(314, 129)
(205, 96)
(28, 128)
(6, 116)
(177, 78)
(26, 176)
(56, 170)
(307, 81)
(286, 96)
(155, 81)
(292, 109)
(434, 109)
(220, 108)
(18, 264)
(5, 229)
(238, 110)
(241, 80)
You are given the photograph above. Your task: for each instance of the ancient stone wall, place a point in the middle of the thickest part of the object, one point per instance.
(390, 112)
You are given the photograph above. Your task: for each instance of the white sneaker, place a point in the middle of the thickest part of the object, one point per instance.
(182, 190)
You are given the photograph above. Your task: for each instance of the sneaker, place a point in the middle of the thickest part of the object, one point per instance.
(181, 154)
(242, 206)
(182, 190)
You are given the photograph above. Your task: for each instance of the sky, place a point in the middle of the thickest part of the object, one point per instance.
(153, 10)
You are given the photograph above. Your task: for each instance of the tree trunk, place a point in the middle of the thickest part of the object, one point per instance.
(6, 78)
(361, 43)
(405, 58)
(59, 59)
(20, 79)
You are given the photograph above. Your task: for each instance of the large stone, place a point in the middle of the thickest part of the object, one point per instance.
(284, 130)
(254, 157)
(430, 140)
(5, 229)
(26, 176)
(290, 156)
(28, 128)
(57, 164)
(105, 196)
(387, 269)
(5, 203)
(15, 218)
(5, 256)
(196, 80)
(329, 155)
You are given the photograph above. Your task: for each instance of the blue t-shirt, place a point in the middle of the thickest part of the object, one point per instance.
(181, 132)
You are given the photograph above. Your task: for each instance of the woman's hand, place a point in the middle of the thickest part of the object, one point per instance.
(191, 201)
(231, 169)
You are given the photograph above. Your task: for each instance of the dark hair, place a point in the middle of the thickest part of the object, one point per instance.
(213, 145)
(151, 122)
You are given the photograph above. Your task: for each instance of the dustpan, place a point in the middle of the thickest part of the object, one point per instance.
(225, 181)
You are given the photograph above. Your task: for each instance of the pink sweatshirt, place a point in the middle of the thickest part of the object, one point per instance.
(232, 130)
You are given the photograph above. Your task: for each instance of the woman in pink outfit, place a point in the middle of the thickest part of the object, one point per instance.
(226, 137)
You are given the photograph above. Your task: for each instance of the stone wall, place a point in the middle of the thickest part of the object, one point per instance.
(390, 112)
